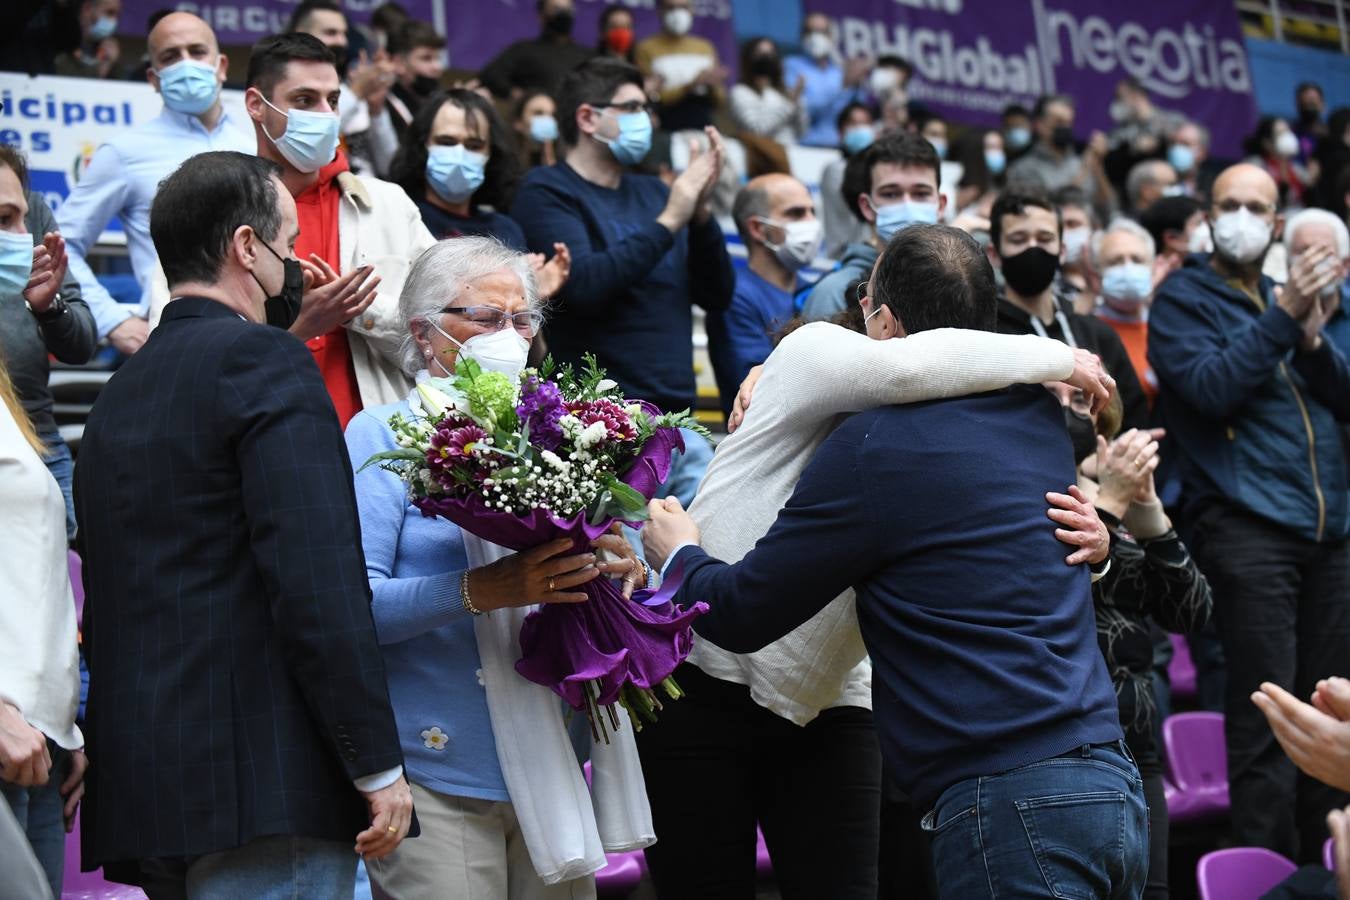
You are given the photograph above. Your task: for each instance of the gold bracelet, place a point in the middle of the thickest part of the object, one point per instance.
(464, 595)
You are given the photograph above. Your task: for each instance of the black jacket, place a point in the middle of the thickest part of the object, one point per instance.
(236, 685)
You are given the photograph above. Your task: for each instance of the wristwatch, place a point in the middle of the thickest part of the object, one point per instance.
(52, 313)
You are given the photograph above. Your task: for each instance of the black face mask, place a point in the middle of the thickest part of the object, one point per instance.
(284, 308)
(1309, 114)
(1062, 137)
(764, 65)
(1083, 434)
(1031, 271)
(344, 60)
(425, 85)
(559, 23)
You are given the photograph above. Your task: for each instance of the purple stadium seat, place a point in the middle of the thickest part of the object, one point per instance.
(1197, 767)
(621, 875)
(76, 566)
(763, 865)
(1181, 671)
(77, 885)
(1329, 855)
(1241, 873)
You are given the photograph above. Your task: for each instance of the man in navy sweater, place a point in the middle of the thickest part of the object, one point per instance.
(993, 705)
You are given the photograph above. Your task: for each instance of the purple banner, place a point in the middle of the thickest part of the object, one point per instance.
(477, 31)
(973, 57)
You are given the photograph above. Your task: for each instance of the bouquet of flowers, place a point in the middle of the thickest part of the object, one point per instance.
(556, 453)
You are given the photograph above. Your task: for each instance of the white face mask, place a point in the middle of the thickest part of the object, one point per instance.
(678, 21)
(1075, 240)
(817, 45)
(1241, 236)
(504, 351)
(1200, 241)
(801, 242)
(883, 81)
(1286, 145)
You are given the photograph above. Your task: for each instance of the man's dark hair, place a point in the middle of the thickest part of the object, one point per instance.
(409, 168)
(936, 276)
(1015, 201)
(891, 61)
(1168, 214)
(412, 35)
(198, 208)
(300, 18)
(388, 16)
(900, 148)
(12, 158)
(1014, 109)
(1073, 195)
(271, 56)
(1308, 86)
(1045, 100)
(594, 81)
(849, 110)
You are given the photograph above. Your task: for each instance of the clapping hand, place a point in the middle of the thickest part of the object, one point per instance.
(330, 300)
(550, 276)
(49, 270)
(1315, 736)
(691, 190)
(1125, 469)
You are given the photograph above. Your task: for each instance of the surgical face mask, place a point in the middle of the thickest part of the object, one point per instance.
(1075, 240)
(189, 87)
(454, 173)
(1286, 145)
(801, 242)
(16, 262)
(1127, 285)
(1017, 138)
(103, 28)
(883, 81)
(543, 129)
(1200, 241)
(817, 45)
(892, 218)
(1181, 157)
(1241, 236)
(1062, 137)
(310, 139)
(1083, 434)
(634, 140)
(505, 351)
(283, 307)
(995, 161)
(1031, 271)
(858, 138)
(940, 146)
(678, 21)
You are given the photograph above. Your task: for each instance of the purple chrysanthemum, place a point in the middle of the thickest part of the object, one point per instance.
(541, 406)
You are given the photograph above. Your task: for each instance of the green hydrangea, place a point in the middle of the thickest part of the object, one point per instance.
(492, 398)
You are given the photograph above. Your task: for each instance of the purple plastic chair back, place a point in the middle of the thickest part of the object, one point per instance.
(1241, 873)
(77, 583)
(1181, 671)
(763, 865)
(1197, 767)
(1329, 855)
(77, 885)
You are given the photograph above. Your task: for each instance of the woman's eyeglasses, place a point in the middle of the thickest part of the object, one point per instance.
(490, 318)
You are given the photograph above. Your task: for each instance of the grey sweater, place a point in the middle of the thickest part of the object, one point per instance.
(25, 342)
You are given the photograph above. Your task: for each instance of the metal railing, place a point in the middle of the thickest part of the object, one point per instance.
(1312, 23)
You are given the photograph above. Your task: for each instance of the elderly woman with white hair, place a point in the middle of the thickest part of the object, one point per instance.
(1123, 256)
(1318, 231)
(470, 296)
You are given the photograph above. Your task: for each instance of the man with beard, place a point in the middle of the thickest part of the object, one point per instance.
(538, 64)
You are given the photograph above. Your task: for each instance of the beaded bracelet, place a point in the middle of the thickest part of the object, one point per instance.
(464, 595)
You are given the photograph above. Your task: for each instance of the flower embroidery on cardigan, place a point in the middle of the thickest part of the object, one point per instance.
(435, 739)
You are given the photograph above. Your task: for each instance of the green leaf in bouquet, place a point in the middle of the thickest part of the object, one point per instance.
(409, 454)
(619, 501)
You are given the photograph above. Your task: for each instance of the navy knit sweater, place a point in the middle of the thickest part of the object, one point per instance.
(982, 640)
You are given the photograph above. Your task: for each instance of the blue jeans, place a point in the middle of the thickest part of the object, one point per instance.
(1074, 826)
(277, 867)
(62, 467)
(40, 813)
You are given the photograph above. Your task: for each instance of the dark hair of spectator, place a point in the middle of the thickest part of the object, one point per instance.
(1340, 191)
(199, 207)
(1308, 86)
(1073, 196)
(300, 18)
(413, 35)
(1168, 214)
(968, 150)
(594, 82)
(409, 168)
(1015, 201)
(936, 276)
(271, 55)
(754, 49)
(1261, 141)
(154, 18)
(12, 158)
(891, 61)
(1045, 101)
(847, 112)
(1014, 109)
(388, 16)
(518, 108)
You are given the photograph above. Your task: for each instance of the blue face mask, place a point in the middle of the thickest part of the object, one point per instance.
(896, 216)
(858, 138)
(16, 262)
(310, 139)
(634, 141)
(454, 173)
(1127, 284)
(940, 145)
(103, 28)
(995, 161)
(543, 129)
(189, 87)
(1181, 157)
(1018, 137)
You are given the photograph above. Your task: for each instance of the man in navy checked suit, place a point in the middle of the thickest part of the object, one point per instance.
(238, 713)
